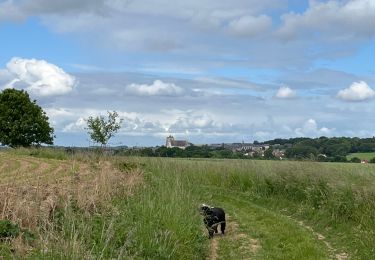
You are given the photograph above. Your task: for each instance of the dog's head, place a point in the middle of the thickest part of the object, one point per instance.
(205, 210)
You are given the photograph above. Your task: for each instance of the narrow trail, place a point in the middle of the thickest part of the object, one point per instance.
(335, 254)
(249, 246)
(254, 232)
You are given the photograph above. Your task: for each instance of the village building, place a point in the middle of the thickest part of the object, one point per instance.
(171, 143)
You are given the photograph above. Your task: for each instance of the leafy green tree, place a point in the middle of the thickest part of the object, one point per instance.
(22, 121)
(301, 152)
(101, 129)
(268, 154)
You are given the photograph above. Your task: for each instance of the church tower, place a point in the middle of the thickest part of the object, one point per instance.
(169, 142)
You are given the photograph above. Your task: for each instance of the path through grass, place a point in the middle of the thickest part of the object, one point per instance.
(147, 208)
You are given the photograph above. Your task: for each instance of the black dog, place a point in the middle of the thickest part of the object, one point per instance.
(212, 218)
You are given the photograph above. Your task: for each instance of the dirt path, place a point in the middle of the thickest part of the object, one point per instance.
(254, 232)
(247, 245)
(335, 254)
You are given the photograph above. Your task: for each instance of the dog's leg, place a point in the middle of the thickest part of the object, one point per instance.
(210, 232)
(215, 228)
(222, 227)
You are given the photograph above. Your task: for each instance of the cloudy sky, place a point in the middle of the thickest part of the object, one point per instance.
(208, 71)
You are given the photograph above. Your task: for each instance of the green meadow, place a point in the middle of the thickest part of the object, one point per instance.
(362, 156)
(103, 207)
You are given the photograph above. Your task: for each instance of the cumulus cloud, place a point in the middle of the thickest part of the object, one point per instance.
(286, 93)
(192, 122)
(39, 77)
(157, 88)
(358, 91)
(250, 26)
(77, 126)
(5, 77)
(353, 18)
(132, 124)
(310, 128)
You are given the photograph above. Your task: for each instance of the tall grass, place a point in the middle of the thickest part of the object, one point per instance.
(118, 207)
(335, 197)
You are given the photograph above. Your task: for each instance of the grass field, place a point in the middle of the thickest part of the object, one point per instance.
(88, 206)
(362, 156)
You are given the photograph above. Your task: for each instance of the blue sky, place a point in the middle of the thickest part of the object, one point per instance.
(207, 71)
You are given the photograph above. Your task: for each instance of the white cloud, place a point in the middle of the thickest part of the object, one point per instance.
(5, 76)
(358, 91)
(286, 93)
(192, 122)
(338, 19)
(77, 126)
(310, 129)
(157, 88)
(39, 77)
(132, 125)
(250, 26)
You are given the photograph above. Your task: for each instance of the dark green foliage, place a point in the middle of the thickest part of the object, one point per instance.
(334, 148)
(127, 166)
(22, 121)
(355, 160)
(190, 152)
(28, 236)
(301, 152)
(338, 158)
(8, 229)
(268, 154)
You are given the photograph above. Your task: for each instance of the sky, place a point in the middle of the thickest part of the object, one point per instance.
(205, 71)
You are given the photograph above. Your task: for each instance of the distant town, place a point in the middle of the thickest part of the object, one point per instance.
(324, 149)
(248, 149)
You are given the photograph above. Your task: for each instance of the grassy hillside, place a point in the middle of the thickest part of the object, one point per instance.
(362, 156)
(88, 206)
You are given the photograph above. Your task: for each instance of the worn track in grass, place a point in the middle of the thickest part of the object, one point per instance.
(255, 232)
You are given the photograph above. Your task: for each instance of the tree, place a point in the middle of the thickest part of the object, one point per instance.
(101, 129)
(22, 121)
(268, 154)
(301, 152)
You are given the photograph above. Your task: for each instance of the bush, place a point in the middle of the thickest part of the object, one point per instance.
(355, 160)
(8, 229)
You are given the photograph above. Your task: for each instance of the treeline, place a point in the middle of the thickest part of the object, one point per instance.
(324, 148)
(327, 149)
(190, 152)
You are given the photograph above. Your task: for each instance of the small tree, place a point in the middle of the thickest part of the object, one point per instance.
(22, 121)
(101, 129)
(268, 154)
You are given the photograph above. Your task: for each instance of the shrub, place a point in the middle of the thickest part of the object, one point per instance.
(355, 160)
(8, 229)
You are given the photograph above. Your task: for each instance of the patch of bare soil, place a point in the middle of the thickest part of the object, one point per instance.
(213, 249)
(245, 242)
